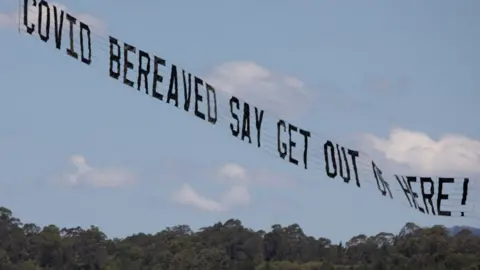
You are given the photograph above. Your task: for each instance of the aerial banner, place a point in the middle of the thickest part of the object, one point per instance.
(154, 76)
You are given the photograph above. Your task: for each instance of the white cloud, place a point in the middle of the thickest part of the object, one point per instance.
(270, 90)
(11, 19)
(449, 154)
(237, 195)
(239, 181)
(234, 173)
(189, 196)
(85, 175)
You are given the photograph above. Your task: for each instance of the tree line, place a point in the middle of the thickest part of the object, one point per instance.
(230, 245)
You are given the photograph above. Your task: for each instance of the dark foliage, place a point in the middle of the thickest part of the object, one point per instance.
(456, 229)
(229, 245)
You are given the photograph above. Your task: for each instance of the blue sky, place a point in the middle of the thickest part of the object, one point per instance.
(396, 80)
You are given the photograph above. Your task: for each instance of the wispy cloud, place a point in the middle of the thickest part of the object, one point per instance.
(236, 195)
(273, 91)
(239, 181)
(85, 175)
(450, 154)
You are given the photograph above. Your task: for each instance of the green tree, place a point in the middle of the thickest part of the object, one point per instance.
(230, 245)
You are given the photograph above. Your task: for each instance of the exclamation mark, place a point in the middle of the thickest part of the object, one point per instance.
(465, 193)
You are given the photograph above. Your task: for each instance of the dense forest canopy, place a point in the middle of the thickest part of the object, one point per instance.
(230, 245)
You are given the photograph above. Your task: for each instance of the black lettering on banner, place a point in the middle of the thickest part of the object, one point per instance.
(235, 103)
(346, 179)
(126, 63)
(30, 28)
(114, 57)
(291, 144)
(212, 118)
(353, 155)
(43, 7)
(58, 26)
(258, 124)
(198, 98)
(382, 185)
(328, 148)
(331, 171)
(245, 129)
(143, 71)
(187, 91)
(427, 196)
(85, 59)
(246, 123)
(306, 134)
(71, 51)
(410, 180)
(173, 86)
(157, 78)
(406, 189)
(441, 196)
(465, 193)
(282, 147)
